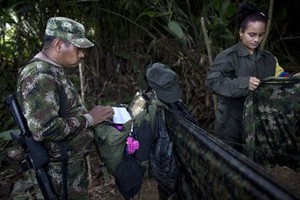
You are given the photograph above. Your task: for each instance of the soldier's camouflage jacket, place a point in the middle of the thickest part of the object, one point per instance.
(40, 92)
(272, 122)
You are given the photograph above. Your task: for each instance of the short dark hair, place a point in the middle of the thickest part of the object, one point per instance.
(48, 39)
(249, 12)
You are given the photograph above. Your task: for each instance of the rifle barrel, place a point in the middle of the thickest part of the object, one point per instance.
(15, 110)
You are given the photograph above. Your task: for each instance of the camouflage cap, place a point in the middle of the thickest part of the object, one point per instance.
(68, 29)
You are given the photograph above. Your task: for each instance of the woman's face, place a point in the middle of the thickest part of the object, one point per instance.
(253, 35)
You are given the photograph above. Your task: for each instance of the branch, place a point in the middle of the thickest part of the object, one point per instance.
(207, 43)
(81, 81)
(206, 39)
(268, 24)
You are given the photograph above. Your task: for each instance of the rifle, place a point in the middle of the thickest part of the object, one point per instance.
(36, 156)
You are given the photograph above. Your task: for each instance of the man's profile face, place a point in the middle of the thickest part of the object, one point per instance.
(70, 55)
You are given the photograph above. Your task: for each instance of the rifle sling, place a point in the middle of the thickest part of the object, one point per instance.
(62, 144)
(64, 166)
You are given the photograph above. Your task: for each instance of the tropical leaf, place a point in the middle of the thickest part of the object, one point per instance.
(176, 29)
(5, 135)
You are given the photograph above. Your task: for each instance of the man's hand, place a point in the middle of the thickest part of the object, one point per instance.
(253, 83)
(101, 113)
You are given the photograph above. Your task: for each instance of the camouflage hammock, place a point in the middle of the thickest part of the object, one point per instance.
(271, 122)
(209, 169)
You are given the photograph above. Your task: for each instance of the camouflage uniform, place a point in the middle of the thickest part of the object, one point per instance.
(42, 89)
(271, 121)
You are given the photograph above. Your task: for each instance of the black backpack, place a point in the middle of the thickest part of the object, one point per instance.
(129, 172)
(129, 177)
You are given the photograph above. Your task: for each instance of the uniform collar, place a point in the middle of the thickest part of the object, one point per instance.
(41, 56)
(242, 51)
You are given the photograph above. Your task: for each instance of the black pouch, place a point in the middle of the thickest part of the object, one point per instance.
(145, 137)
(163, 164)
(129, 177)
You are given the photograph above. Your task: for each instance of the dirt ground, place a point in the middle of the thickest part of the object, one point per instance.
(287, 177)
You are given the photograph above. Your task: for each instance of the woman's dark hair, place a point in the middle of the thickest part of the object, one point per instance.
(249, 12)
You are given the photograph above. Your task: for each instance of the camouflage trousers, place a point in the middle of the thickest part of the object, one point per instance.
(76, 178)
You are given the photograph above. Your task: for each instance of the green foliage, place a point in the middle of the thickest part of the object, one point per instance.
(176, 29)
(220, 20)
(128, 35)
(5, 136)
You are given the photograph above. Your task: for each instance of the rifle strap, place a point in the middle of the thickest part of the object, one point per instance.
(64, 167)
(63, 144)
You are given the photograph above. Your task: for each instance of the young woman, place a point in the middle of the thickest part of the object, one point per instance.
(238, 70)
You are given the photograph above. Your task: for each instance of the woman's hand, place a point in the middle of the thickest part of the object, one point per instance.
(253, 83)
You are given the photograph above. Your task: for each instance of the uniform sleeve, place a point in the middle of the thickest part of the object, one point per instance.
(222, 81)
(41, 105)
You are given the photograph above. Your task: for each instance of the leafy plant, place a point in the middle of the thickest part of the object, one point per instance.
(128, 36)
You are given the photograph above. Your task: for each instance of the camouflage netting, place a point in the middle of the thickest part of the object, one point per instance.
(271, 120)
(209, 169)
